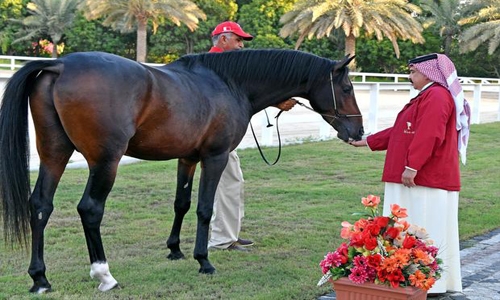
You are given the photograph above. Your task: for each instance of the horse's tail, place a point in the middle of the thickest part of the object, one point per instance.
(15, 153)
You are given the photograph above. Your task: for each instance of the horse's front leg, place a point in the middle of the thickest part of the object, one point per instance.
(185, 174)
(211, 172)
(91, 210)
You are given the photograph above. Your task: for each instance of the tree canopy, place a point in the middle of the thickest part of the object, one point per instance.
(129, 15)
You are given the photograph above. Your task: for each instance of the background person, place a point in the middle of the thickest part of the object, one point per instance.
(229, 197)
(421, 170)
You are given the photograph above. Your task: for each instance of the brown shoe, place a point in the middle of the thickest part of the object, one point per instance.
(237, 247)
(244, 243)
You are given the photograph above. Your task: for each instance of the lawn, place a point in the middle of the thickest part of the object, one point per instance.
(293, 213)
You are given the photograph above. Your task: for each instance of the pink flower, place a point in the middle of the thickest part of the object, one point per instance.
(370, 201)
(346, 231)
(358, 275)
(332, 259)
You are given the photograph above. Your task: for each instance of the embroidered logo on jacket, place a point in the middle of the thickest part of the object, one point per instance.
(408, 129)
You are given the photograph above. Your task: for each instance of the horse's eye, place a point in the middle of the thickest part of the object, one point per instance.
(347, 89)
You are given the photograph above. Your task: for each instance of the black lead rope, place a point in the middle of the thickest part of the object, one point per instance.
(279, 142)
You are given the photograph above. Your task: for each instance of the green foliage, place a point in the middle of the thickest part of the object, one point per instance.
(47, 17)
(378, 56)
(317, 19)
(477, 63)
(173, 41)
(12, 9)
(86, 35)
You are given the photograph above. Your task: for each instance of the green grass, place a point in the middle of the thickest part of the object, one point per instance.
(293, 213)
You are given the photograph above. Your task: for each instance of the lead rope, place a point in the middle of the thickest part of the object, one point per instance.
(279, 142)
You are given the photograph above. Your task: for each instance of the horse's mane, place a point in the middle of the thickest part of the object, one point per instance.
(286, 66)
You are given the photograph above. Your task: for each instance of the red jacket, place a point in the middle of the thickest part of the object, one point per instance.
(215, 49)
(424, 138)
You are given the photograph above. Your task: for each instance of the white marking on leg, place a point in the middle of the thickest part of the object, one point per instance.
(100, 271)
(42, 290)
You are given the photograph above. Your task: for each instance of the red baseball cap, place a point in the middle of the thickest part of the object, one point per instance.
(232, 27)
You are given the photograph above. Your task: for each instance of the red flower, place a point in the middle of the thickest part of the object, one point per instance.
(391, 233)
(370, 243)
(409, 242)
(374, 261)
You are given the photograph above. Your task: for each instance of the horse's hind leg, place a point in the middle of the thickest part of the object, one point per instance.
(41, 207)
(54, 149)
(185, 174)
(91, 209)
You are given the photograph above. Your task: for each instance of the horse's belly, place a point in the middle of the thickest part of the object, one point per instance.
(161, 150)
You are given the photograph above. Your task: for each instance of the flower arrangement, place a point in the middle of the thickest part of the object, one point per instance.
(383, 250)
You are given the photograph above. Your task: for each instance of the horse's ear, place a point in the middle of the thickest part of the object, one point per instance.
(344, 62)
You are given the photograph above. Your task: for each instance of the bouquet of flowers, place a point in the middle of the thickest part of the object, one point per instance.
(383, 250)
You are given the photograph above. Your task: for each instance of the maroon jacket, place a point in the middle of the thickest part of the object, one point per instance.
(424, 138)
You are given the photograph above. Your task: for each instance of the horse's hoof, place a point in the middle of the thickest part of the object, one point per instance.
(207, 270)
(108, 287)
(175, 255)
(40, 290)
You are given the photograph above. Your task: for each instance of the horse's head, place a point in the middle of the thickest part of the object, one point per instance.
(333, 97)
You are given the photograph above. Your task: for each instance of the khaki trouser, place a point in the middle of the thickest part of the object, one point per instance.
(228, 205)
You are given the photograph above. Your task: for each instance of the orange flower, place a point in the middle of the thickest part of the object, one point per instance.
(370, 201)
(421, 257)
(398, 211)
(417, 279)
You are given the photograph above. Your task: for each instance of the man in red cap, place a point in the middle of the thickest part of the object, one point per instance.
(229, 202)
(228, 36)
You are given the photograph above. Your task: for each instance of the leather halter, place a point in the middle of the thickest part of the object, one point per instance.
(335, 109)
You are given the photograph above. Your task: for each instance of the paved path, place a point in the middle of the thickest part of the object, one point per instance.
(480, 259)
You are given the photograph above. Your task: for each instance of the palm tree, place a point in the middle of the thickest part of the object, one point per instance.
(49, 17)
(129, 15)
(487, 30)
(445, 15)
(392, 19)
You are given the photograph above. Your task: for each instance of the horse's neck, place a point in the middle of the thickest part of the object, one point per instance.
(262, 96)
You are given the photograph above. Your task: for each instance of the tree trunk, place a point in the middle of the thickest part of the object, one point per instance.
(56, 38)
(447, 44)
(141, 40)
(350, 49)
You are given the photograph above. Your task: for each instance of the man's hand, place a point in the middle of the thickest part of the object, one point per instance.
(360, 143)
(287, 104)
(407, 178)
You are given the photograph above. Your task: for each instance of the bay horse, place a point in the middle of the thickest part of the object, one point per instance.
(195, 109)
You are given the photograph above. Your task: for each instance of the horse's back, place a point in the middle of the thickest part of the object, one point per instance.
(109, 105)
